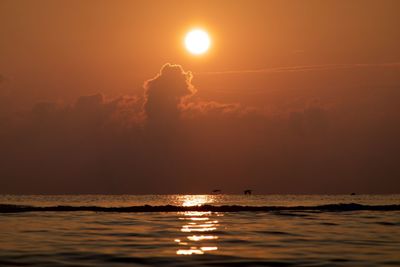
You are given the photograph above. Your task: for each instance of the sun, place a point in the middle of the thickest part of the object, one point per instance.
(197, 41)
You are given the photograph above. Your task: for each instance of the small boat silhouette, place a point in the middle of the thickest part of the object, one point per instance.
(217, 191)
(247, 191)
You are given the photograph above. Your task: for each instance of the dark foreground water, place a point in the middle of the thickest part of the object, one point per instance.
(288, 230)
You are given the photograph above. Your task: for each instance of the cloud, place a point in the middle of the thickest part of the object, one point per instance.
(165, 93)
(169, 97)
(169, 140)
(216, 110)
(305, 68)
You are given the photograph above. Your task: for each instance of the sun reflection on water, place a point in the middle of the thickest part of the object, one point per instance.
(195, 200)
(199, 225)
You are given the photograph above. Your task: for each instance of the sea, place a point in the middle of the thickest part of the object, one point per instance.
(200, 230)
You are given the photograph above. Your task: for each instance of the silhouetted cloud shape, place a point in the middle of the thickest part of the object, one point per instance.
(164, 94)
(168, 140)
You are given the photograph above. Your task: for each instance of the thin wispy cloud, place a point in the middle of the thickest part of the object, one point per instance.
(305, 68)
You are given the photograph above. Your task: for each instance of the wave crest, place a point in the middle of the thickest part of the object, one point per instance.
(11, 208)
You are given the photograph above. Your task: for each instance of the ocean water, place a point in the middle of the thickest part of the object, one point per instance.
(290, 230)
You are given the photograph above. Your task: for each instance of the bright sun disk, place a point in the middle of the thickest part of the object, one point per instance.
(197, 41)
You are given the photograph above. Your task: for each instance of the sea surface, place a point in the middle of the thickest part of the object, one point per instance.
(290, 230)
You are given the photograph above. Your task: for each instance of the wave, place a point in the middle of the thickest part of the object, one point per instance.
(11, 208)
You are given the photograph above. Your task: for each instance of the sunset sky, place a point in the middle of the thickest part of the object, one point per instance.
(291, 97)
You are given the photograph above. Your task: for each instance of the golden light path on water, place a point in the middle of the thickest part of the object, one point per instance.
(198, 227)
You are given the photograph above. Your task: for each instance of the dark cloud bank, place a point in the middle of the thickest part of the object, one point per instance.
(171, 141)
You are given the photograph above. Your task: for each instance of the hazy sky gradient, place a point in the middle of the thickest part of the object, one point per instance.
(293, 97)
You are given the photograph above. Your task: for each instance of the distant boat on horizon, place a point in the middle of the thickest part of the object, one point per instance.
(247, 191)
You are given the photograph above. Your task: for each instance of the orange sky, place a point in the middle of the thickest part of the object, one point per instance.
(293, 76)
(57, 50)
